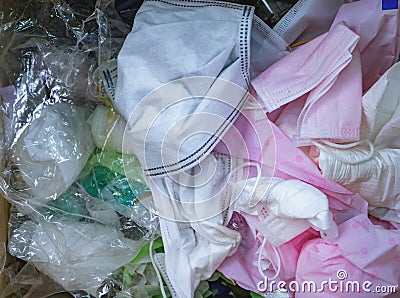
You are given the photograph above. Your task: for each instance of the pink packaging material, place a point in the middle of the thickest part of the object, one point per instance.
(363, 253)
(326, 73)
(379, 36)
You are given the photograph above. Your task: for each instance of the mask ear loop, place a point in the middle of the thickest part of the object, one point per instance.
(177, 206)
(268, 7)
(278, 270)
(346, 146)
(258, 178)
(159, 278)
(153, 263)
(253, 104)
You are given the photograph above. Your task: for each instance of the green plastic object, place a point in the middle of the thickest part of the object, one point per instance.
(104, 184)
(71, 205)
(103, 178)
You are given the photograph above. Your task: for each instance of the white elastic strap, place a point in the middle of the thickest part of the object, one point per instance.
(258, 168)
(253, 105)
(346, 146)
(160, 281)
(278, 270)
(267, 5)
(177, 207)
(109, 133)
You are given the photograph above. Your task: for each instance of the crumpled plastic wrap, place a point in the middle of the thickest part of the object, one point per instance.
(3, 253)
(51, 150)
(71, 229)
(108, 129)
(29, 282)
(77, 261)
(104, 177)
(90, 30)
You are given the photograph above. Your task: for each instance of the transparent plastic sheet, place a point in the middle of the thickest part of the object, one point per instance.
(127, 9)
(133, 280)
(3, 254)
(28, 282)
(270, 11)
(50, 222)
(39, 33)
(89, 27)
(66, 225)
(104, 178)
(106, 174)
(98, 211)
(76, 249)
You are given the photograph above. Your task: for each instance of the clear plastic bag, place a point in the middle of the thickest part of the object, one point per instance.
(63, 224)
(270, 11)
(31, 283)
(127, 9)
(50, 151)
(3, 254)
(76, 255)
(104, 177)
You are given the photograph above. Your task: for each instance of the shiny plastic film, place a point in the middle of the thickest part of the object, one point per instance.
(75, 218)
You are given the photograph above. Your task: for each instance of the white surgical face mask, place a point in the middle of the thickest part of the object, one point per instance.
(202, 79)
(193, 218)
(266, 47)
(380, 120)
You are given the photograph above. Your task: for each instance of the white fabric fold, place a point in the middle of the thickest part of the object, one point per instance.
(203, 75)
